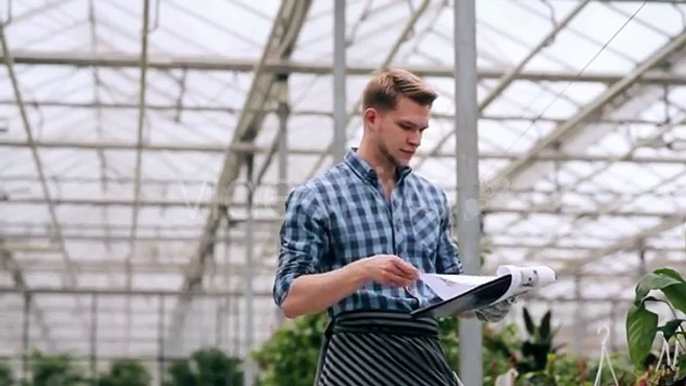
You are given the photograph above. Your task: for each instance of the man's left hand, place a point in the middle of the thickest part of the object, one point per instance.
(495, 312)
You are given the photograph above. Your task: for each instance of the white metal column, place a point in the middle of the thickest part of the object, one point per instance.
(339, 110)
(466, 147)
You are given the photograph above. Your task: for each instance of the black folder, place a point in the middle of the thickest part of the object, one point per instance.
(470, 300)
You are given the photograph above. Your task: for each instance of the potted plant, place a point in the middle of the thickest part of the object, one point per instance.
(126, 372)
(206, 367)
(642, 328)
(56, 370)
(6, 375)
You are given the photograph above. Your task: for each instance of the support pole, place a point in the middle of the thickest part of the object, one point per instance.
(642, 266)
(25, 337)
(94, 336)
(466, 148)
(160, 340)
(580, 320)
(283, 111)
(613, 327)
(339, 98)
(249, 371)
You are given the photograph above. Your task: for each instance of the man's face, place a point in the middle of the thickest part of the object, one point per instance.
(399, 132)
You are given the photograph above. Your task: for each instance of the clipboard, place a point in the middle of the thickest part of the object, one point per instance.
(473, 299)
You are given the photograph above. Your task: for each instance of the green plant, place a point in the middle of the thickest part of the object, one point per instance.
(539, 345)
(290, 356)
(530, 355)
(126, 372)
(206, 367)
(499, 348)
(6, 375)
(496, 344)
(642, 325)
(56, 370)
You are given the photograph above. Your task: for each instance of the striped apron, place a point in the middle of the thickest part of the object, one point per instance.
(369, 348)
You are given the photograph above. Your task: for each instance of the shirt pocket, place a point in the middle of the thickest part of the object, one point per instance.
(426, 227)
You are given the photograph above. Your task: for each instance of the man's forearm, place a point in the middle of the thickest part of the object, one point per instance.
(314, 293)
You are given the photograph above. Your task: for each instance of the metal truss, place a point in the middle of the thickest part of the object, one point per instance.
(532, 189)
(603, 105)
(250, 148)
(277, 66)
(17, 274)
(287, 25)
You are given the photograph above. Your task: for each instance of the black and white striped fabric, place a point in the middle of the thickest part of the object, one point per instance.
(363, 348)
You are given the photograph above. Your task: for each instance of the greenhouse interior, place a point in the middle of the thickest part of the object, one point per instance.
(147, 149)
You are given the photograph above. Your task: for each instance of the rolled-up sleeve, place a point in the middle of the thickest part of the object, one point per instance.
(448, 259)
(303, 240)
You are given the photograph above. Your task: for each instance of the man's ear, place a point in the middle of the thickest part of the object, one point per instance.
(371, 118)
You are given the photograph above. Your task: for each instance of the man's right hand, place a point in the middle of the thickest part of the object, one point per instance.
(316, 292)
(389, 270)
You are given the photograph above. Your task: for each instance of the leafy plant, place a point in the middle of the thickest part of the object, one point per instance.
(531, 355)
(496, 347)
(126, 372)
(56, 370)
(535, 350)
(642, 325)
(290, 357)
(6, 375)
(206, 367)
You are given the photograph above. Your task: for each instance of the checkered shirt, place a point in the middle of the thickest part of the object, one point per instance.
(341, 216)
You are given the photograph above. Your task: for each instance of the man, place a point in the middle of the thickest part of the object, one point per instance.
(355, 239)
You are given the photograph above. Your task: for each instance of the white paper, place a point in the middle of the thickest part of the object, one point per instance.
(524, 279)
(449, 286)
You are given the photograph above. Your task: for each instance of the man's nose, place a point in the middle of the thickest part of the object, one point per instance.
(414, 138)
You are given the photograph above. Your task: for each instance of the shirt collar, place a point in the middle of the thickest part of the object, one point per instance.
(366, 172)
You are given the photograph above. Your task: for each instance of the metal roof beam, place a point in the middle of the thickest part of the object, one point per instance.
(518, 193)
(316, 113)
(512, 74)
(9, 264)
(204, 203)
(143, 68)
(627, 243)
(233, 240)
(251, 148)
(149, 267)
(75, 235)
(288, 23)
(286, 67)
(70, 277)
(7, 57)
(287, 26)
(590, 112)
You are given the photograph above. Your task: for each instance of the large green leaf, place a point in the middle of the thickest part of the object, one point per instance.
(676, 293)
(545, 326)
(126, 372)
(6, 376)
(677, 296)
(653, 281)
(681, 365)
(669, 328)
(529, 323)
(641, 327)
(671, 273)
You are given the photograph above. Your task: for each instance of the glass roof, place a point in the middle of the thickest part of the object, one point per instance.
(581, 136)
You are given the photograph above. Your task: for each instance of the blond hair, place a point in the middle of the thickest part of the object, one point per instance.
(384, 89)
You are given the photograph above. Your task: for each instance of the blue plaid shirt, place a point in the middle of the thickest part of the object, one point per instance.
(342, 215)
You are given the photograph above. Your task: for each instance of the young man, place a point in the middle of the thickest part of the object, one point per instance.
(355, 238)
